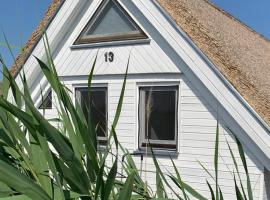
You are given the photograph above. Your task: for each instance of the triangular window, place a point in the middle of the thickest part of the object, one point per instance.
(46, 101)
(110, 23)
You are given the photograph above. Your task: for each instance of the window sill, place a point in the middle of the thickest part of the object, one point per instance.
(102, 148)
(113, 43)
(158, 153)
(47, 111)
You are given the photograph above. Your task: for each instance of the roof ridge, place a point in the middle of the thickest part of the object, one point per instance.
(235, 19)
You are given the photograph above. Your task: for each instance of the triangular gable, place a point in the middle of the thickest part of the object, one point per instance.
(253, 131)
(110, 23)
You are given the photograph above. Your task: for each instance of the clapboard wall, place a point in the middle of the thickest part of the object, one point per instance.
(196, 132)
(155, 62)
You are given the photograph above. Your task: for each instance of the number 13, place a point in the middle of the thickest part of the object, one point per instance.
(109, 57)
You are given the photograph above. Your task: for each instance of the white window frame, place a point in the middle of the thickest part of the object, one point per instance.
(161, 151)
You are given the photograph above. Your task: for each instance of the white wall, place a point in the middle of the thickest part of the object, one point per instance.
(155, 62)
(196, 132)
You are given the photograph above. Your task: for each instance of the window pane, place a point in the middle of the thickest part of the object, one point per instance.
(98, 108)
(158, 116)
(112, 21)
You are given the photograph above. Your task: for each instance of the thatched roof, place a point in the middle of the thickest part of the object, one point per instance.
(36, 35)
(238, 52)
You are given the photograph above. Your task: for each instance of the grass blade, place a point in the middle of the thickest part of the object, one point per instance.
(14, 179)
(216, 160)
(161, 193)
(110, 180)
(221, 194)
(237, 170)
(238, 193)
(243, 158)
(211, 191)
(100, 181)
(179, 180)
(120, 102)
(126, 192)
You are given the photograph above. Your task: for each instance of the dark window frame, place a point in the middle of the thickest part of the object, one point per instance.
(266, 184)
(134, 35)
(169, 145)
(102, 140)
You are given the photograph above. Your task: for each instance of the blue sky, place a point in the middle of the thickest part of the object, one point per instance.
(255, 14)
(18, 19)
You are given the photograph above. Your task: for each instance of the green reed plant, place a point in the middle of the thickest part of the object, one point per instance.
(41, 162)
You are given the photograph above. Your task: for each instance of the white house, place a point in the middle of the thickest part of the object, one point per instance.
(199, 65)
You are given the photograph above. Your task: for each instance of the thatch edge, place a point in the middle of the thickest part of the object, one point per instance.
(36, 36)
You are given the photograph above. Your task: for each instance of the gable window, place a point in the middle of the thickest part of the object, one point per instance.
(110, 23)
(96, 104)
(46, 101)
(158, 110)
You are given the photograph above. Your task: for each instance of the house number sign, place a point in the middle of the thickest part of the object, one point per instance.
(109, 56)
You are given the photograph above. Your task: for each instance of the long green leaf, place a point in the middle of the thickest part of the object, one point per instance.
(179, 180)
(91, 128)
(13, 85)
(216, 160)
(6, 83)
(68, 105)
(243, 158)
(126, 192)
(211, 191)
(188, 189)
(14, 179)
(162, 175)
(221, 194)
(237, 170)
(16, 197)
(120, 102)
(110, 180)
(161, 192)
(100, 181)
(72, 179)
(53, 135)
(238, 193)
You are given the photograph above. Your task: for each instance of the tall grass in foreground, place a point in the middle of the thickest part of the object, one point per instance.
(41, 162)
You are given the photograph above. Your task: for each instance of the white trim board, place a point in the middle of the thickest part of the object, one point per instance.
(184, 54)
(200, 72)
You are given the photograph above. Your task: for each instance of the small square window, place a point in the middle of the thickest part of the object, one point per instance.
(46, 102)
(158, 111)
(97, 105)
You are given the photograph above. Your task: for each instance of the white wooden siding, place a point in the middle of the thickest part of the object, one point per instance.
(145, 58)
(154, 62)
(196, 133)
